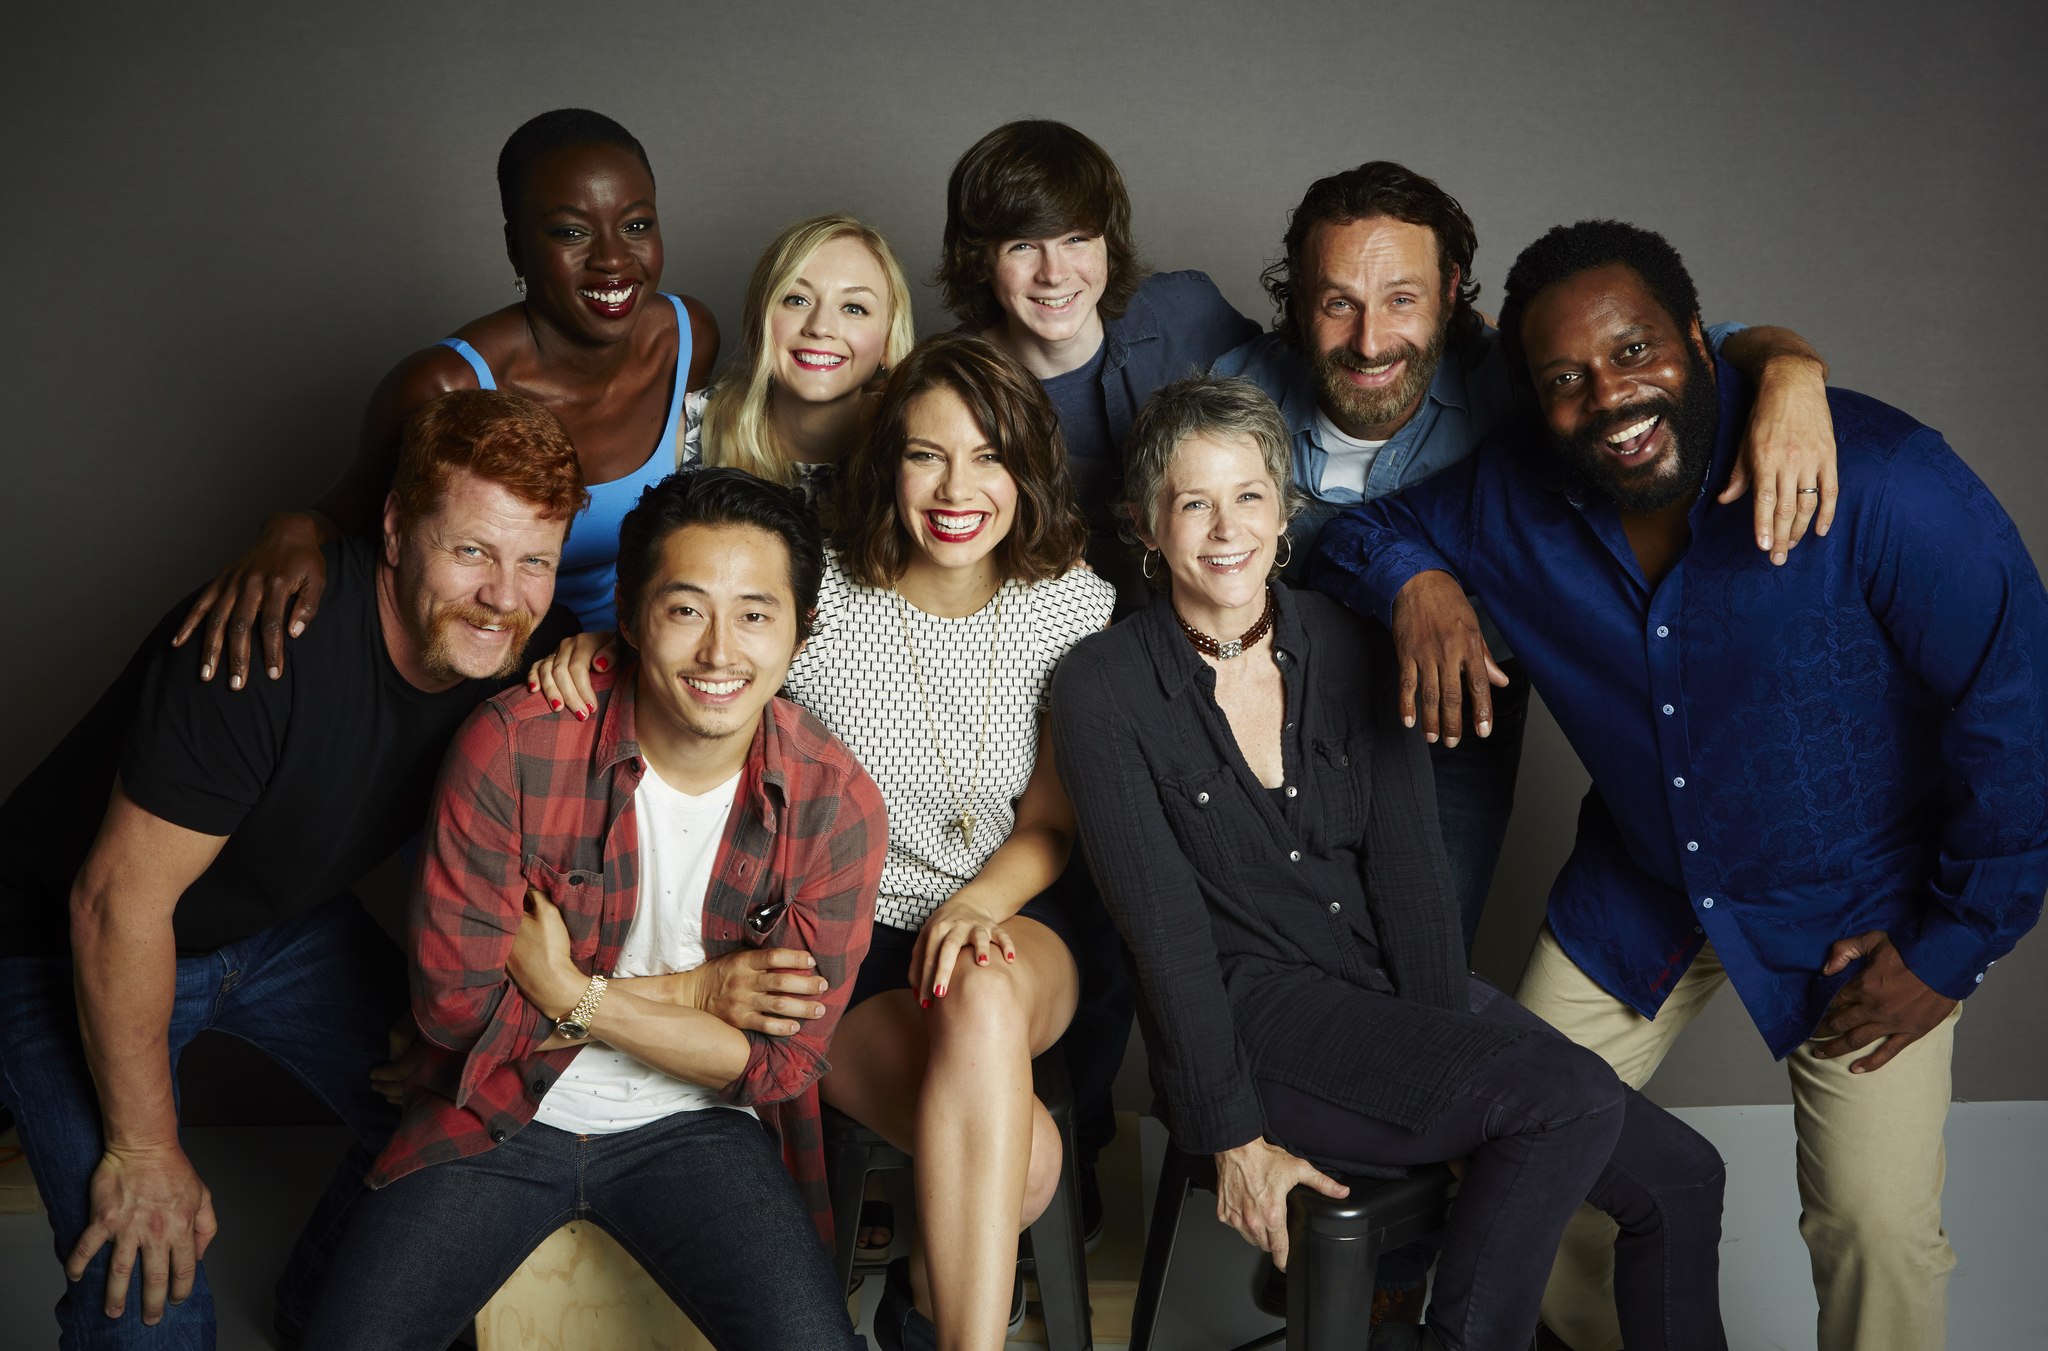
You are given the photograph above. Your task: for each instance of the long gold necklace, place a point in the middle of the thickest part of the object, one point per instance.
(964, 822)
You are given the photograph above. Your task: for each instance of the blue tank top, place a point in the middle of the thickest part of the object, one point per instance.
(591, 554)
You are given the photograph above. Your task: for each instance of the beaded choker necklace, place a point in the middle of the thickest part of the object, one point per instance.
(1229, 647)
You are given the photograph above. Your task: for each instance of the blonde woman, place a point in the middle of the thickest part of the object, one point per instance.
(827, 311)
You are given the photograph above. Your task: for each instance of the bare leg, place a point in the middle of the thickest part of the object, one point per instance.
(952, 1087)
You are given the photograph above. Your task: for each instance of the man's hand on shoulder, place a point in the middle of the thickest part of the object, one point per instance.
(150, 1204)
(1439, 647)
(1884, 1000)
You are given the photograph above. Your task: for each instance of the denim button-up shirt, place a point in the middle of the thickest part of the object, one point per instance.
(1781, 757)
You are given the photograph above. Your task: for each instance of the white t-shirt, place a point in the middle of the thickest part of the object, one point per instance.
(604, 1090)
(856, 675)
(1350, 459)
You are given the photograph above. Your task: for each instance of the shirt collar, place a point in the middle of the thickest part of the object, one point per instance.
(618, 743)
(1139, 323)
(1174, 660)
(1298, 405)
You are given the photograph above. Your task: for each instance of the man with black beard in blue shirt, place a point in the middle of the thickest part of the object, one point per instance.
(1824, 783)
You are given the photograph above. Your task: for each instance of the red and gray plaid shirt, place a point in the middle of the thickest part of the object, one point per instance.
(530, 798)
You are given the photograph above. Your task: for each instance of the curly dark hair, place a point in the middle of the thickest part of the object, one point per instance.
(1014, 413)
(1378, 188)
(1032, 179)
(1567, 250)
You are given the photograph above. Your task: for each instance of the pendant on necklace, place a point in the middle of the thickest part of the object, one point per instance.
(965, 824)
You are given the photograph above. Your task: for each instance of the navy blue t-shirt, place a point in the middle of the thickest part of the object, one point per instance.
(1084, 417)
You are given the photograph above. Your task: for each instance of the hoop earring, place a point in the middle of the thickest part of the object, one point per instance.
(1287, 540)
(1146, 566)
(519, 283)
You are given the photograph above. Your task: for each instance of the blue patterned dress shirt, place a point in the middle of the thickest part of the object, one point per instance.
(1780, 757)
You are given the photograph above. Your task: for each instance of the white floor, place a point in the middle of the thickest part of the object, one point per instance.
(1996, 1209)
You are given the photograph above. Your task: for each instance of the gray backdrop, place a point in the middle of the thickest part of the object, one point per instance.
(230, 219)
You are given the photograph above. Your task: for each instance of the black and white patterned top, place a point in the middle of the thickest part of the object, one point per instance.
(856, 675)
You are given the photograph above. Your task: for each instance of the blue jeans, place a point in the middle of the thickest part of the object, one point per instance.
(318, 994)
(700, 1199)
(1546, 1125)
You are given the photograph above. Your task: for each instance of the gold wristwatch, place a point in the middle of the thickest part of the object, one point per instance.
(577, 1025)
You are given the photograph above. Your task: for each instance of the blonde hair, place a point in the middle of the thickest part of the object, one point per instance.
(736, 427)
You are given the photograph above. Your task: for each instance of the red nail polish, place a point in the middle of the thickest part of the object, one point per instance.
(581, 715)
(602, 664)
(591, 708)
(532, 688)
(924, 1003)
(554, 703)
(982, 960)
(942, 992)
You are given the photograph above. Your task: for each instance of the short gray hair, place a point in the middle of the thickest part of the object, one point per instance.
(1220, 406)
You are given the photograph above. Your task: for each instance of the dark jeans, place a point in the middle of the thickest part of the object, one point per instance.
(1475, 780)
(1546, 1125)
(318, 994)
(1475, 796)
(700, 1199)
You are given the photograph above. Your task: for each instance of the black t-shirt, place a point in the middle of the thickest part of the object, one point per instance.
(315, 777)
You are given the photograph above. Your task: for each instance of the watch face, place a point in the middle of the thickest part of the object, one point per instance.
(573, 1031)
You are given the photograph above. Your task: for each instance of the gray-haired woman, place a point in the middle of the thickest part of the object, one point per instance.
(1264, 832)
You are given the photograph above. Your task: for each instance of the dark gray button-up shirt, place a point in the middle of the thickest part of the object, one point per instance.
(1310, 939)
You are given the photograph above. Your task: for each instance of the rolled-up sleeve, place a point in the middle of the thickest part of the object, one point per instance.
(1156, 900)
(467, 900)
(832, 917)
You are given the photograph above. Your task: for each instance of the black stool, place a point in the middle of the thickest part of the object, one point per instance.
(1053, 1242)
(1333, 1247)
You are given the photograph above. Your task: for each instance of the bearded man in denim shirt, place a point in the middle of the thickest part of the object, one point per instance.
(1826, 784)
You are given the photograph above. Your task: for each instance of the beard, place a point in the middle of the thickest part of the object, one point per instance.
(437, 648)
(1376, 407)
(1694, 423)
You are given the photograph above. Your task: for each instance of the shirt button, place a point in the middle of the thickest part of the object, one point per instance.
(1335, 907)
(1980, 977)
(1663, 632)
(1669, 710)
(1707, 904)
(497, 1137)
(540, 1086)
(1202, 798)
(1692, 846)
(1343, 759)
(1678, 782)
(1292, 791)
(1294, 856)
(1697, 929)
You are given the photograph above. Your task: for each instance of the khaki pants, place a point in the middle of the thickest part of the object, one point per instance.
(1870, 1167)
